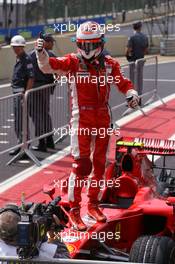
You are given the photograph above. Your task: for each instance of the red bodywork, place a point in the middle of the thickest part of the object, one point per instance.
(129, 200)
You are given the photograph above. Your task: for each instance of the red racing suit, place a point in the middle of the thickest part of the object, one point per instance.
(90, 113)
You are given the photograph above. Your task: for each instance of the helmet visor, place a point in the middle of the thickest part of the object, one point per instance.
(88, 46)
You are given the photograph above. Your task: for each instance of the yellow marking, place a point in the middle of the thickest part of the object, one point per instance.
(71, 248)
(130, 144)
(42, 230)
(118, 231)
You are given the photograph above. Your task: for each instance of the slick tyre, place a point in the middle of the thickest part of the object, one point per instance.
(153, 249)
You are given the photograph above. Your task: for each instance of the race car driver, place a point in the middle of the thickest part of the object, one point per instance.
(89, 110)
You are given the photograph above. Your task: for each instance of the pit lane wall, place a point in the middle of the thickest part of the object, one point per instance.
(115, 45)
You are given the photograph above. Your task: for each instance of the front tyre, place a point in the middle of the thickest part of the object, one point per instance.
(153, 249)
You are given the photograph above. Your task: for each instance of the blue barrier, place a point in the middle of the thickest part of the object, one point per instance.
(33, 31)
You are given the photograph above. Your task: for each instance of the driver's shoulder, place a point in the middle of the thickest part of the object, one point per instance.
(111, 61)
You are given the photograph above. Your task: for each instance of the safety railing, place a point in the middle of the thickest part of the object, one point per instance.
(48, 109)
(129, 71)
(45, 112)
(147, 70)
(11, 135)
(144, 75)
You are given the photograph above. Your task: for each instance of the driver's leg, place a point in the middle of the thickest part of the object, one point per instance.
(81, 167)
(97, 182)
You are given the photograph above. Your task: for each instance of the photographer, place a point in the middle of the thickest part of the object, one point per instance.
(9, 218)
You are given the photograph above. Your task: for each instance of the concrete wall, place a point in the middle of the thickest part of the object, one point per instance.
(115, 45)
(130, 16)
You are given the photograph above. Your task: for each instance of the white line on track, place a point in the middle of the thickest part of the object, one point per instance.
(2, 86)
(159, 80)
(3, 134)
(125, 66)
(61, 154)
(166, 61)
(6, 126)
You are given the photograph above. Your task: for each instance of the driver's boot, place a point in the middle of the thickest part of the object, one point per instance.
(95, 212)
(76, 220)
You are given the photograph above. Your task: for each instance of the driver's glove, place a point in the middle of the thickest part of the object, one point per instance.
(132, 98)
(39, 44)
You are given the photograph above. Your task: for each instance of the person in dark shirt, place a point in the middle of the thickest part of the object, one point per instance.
(22, 80)
(136, 49)
(40, 102)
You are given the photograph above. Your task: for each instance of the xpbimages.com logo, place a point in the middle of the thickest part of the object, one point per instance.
(102, 132)
(72, 27)
(88, 183)
(72, 236)
(87, 78)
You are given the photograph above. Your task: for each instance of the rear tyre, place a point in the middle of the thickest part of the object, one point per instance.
(153, 249)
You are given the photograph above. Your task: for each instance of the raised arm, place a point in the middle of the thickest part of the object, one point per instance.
(59, 65)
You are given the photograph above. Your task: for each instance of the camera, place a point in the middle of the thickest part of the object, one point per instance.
(36, 221)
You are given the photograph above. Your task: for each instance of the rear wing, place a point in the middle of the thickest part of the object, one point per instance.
(147, 145)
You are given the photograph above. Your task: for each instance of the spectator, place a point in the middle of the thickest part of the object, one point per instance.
(9, 218)
(22, 80)
(40, 102)
(137, 47)
(7, 40)
(123, 16)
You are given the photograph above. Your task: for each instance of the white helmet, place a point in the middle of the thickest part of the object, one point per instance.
(18, 41)
(90, 40)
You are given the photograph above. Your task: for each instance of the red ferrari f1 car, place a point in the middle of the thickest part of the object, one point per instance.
(139, 204)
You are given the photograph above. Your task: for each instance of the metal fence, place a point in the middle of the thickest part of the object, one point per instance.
(10, 132)
(45, 112)
(144, 74)
(129, 71)
(150, 77)
(48, 109)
